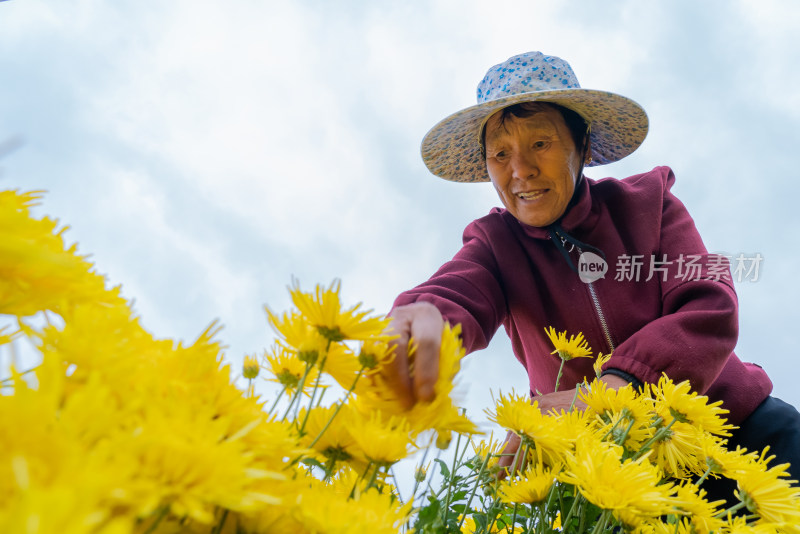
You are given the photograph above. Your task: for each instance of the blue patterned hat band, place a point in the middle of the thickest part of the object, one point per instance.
(452, 150)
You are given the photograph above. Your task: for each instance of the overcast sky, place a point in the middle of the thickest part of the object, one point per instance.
(207, 152)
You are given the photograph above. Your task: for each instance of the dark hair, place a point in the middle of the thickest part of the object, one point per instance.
(578, 128)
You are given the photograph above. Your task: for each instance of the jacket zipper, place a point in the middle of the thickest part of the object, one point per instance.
(599, 310)
(600, 316)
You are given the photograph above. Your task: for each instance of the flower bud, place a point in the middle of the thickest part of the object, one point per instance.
(250, 368)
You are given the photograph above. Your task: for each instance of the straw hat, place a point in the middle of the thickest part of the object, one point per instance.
(452, 148)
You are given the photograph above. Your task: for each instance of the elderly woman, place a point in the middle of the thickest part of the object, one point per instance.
(540, 261)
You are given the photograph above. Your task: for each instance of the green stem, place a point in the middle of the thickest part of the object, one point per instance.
(547, 501)
(218, 527)
(542, 513)
(730, 510)
(366, 470)
(450, 481)
(578, 497)
(299, 391)
(274, 404)
(313, 396)
(417, 482)
(702, 478)
(524, 457)
(627, 431)
(328, 423)
(575, 397)
(558, 377)
(11, 378)
(396, 487)
(492, 522)
(338, 407)
(657, 436)
(161, 515)
(610, 430)
(601, 523)
(428, 487)
(582, 522)
(474, 489)
(374, 476)
(321, 395)
(530, 529)
(513, 519)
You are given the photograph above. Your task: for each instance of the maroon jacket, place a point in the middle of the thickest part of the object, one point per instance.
(682, 321)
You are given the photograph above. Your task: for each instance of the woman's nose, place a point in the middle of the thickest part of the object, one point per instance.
(523, 166)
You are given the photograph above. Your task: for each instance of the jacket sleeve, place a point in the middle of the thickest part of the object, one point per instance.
(698, 327)
(466, 290)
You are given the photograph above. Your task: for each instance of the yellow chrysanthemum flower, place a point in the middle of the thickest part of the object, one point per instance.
(440, 414)
(516, 413)
(369, 512)
(575, 424)
(630, 488)
(37, 270)
(691, 501)
(298, 335)
(620, 412)
(289, 371)
(324, 312)
(488, 450)
(682, 526)
(384, 440)
(531, 487)
(600, 362)
(769, 492)
(469, 526)
(327, 430)
(567, 349)
(679, 453)
(678, 401)
(739, 525)
(721, 461)
(374, 354)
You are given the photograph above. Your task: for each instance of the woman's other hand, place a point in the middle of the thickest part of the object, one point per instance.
(558, 401)
(422, 322)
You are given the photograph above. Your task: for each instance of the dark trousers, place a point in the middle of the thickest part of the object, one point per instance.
(774, 423)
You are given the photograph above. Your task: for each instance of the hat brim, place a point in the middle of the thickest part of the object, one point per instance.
(451, 149)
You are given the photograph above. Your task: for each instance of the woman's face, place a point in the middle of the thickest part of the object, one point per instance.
(533, 164)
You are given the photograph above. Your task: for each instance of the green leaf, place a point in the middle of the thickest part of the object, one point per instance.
(443, 467)
(459, 496)
(313, 462)
(481, 521)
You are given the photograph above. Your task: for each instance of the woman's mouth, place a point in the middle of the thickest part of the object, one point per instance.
(532, 195)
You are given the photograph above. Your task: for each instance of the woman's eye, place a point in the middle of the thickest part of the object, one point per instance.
(539, 144)
(500, 155)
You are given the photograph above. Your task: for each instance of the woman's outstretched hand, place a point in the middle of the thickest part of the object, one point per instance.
(412, 377)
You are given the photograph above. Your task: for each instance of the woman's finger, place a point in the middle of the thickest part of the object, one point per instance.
(426, 333)
(510, 449)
